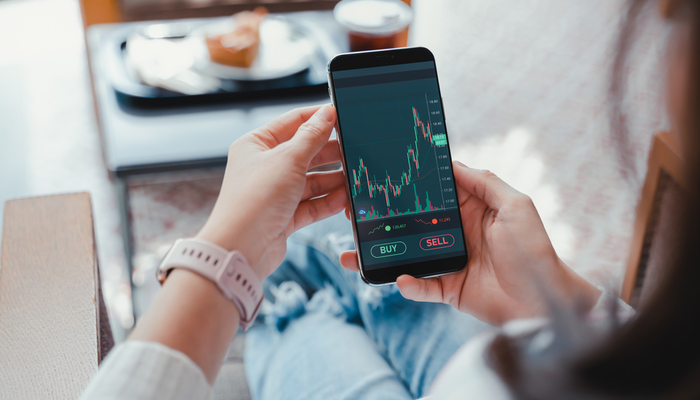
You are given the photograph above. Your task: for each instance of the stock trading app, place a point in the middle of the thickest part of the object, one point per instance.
(398, 164)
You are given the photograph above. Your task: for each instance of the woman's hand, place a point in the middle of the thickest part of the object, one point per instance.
(512, 264)
(267, 193)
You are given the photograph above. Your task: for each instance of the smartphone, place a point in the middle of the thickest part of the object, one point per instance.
(397, 164)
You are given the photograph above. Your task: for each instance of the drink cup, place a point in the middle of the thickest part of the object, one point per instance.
(374, 24)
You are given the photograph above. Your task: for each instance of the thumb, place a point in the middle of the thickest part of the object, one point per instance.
(313, 134)
(484, 185)
(427, 290)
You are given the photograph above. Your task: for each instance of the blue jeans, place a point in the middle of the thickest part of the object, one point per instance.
(328, 335)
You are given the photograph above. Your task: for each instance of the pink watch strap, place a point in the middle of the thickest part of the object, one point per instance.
(229, 270)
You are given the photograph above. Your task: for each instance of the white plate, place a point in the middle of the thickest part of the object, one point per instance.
(284, 50)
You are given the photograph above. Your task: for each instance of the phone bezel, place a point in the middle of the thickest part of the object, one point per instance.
(378, 58)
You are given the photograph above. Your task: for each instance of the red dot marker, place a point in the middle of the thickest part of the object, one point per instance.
(434, 221)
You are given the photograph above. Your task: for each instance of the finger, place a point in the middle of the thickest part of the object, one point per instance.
(283, 128)
(484, 185)
(314, 210)
(348, 260)
(427, 290)
(462, 195)
(347, 213)
(329, 154)
(313, 134)
(322, 183)
(469, 203)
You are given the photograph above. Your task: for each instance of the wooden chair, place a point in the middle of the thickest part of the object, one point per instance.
(656, 220)
(53, 324)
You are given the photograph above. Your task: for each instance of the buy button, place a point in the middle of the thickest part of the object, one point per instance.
(388, 249)
(437, 242)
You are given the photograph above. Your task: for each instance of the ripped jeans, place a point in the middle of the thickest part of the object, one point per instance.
(325, 334)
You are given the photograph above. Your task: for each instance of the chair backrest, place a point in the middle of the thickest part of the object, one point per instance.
(654, 228)
(53, 326)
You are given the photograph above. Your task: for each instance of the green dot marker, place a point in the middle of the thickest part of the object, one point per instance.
(388, 228)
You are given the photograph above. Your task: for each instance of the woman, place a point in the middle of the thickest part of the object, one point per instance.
(371, 343)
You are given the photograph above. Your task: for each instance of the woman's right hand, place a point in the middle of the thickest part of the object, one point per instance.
(512, 266)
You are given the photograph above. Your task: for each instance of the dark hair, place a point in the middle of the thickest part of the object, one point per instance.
(657, 353)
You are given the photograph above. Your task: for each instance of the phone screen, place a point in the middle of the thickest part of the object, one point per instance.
(398, 164)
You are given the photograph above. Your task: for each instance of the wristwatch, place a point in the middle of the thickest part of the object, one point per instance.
(228, 270)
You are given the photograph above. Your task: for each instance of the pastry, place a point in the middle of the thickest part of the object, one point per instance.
(239, 47)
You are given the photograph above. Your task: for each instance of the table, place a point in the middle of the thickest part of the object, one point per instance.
(138, 140)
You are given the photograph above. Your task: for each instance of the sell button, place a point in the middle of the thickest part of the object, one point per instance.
(388, 249)
(437, 242)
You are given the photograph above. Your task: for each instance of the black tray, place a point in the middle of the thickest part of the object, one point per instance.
(132, 93)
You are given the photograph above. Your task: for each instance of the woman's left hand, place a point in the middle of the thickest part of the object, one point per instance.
(268, 193)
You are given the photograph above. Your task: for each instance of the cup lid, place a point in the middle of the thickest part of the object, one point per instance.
(373, 16)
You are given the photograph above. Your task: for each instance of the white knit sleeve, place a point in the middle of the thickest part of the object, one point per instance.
(138, 370)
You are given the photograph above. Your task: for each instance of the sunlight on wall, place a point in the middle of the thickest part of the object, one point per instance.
(514, 160)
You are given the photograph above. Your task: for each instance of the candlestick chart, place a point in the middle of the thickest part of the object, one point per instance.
(402, 167)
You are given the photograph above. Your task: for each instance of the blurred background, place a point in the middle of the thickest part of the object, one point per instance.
(137, 101)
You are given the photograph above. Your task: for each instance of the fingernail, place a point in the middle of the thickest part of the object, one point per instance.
(326, 112)
(460, 164)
